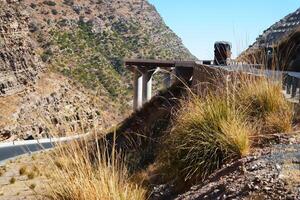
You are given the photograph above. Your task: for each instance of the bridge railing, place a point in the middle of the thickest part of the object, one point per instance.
(206, 77)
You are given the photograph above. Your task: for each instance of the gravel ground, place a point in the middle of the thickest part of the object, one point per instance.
(27, 186)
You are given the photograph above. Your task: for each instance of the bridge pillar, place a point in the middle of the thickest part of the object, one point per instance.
(147, 85)
(138, 89)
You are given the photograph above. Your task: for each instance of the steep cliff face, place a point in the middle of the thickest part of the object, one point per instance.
(19, 66)
(61, 62)
(35, 102)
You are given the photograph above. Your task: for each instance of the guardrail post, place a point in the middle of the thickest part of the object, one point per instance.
(288, 84)
(294, 86)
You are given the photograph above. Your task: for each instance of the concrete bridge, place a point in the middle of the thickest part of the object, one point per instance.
(200, 72)
(143, 71)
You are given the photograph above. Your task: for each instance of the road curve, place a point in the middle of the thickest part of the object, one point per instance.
(11, 150)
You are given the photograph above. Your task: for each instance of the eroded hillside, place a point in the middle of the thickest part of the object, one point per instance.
(61, 62)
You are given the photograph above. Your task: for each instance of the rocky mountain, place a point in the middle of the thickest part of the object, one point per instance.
(61, 62)
(281, 41)
(278, 31)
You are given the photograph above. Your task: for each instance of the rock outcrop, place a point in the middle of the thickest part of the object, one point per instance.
(19, 65)
(54, 106)
(35, 102)
(278, 31)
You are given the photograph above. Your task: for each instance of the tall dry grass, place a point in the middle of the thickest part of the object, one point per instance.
(266, 105)
(206, 133)
(214, 129)
(81, 175)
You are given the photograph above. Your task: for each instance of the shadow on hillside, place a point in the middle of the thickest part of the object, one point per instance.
(139, 135)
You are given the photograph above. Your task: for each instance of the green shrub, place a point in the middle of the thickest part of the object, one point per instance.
(54, 12)
(31, 175)
(49, 3)
(33, 6)
(32, 186)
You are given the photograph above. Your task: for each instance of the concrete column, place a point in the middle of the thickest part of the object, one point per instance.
(138, 90)
(147, 86)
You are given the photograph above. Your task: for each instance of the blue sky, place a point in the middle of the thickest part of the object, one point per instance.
(202, 22)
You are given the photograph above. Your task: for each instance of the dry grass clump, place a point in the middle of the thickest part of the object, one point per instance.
(32, 186)
(23, 170)
(206, 134)
(12, 180)
(31, 175)
(211, 130)
(82, 176)
(266, 105)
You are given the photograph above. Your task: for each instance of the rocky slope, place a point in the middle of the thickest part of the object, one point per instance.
(35, 102)
(278, 31)
(270, 174)
(87, 40)
(61, 62)
(265, 45)
(19, 66)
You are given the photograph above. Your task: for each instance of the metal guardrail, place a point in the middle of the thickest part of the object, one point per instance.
(290, 80)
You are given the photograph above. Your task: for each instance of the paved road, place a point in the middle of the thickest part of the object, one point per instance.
(11, 150)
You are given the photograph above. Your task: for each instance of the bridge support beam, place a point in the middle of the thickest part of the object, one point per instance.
(137, 89)
(147, 85)
(142, 85)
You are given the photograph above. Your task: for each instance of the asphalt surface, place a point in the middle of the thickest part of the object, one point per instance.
(11, 150)
(14, 151)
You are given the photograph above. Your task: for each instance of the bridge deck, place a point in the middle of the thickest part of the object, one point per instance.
(149, 63)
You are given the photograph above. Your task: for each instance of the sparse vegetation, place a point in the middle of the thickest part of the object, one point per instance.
(31, 175)
(2, 170)
(49, 3)
(23, 170)
(32, 186)
(12, 180)
(210, 131)
(89, 177)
